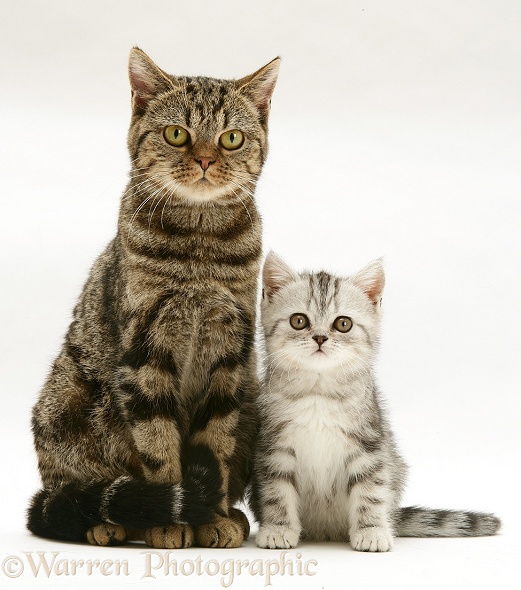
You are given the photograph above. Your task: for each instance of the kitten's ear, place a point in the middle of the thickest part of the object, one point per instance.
(146, 79)
(275, 274)
(258, 87)
(371, 280)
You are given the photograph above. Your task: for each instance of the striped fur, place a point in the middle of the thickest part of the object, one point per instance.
(67, 512)
(148, 415)
(326, 463)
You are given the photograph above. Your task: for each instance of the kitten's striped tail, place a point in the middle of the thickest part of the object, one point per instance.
(68, 511)
(416, 521)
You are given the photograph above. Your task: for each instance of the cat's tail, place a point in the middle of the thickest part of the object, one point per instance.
(68, 511)
(416, 521)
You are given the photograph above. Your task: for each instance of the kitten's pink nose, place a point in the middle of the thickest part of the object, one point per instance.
(205, 161)
(320, 339)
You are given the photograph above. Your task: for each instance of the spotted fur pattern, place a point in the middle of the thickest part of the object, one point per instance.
(326, 463)
(147, 417)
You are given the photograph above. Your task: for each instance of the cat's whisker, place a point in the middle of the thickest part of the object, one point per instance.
(145, 174)
(244, 205)
(133, 189)
(167, 196)
(152, 195)
(169, 200)
(151, 215)
(136, 212)
(243, 188)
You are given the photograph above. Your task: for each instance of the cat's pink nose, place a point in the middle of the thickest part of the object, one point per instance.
(320, 339)
(205, 162)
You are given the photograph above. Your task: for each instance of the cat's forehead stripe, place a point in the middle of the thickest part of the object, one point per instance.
(205, 99)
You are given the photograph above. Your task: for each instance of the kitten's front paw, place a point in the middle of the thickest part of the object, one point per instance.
(373, 538)
(106, 534)
(276, 537)
(174, 536)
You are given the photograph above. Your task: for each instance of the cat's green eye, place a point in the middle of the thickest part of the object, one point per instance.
(232, 140)
(176, 136)
(343, 324)
(299, 321)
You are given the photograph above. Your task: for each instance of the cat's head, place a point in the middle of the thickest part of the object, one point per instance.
(198, 138)
(317, 321)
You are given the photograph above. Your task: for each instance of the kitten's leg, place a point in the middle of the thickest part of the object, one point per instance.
(278, 499)
(370, 509)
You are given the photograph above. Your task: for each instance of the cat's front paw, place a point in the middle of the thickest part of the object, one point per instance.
(240, 518)
(174, 536)
(106, 534)
(277, 537)
(223, 531)
(372, 538)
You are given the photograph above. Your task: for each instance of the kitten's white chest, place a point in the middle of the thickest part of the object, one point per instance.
(320, 446)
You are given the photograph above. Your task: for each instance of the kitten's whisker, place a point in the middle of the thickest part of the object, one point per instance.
(274, 369)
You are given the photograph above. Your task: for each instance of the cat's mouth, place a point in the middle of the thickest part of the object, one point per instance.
(204, 181)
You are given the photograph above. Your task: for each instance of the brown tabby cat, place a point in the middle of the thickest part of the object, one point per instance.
(145, 424)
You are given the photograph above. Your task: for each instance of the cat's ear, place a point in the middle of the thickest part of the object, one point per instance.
(371, 280)
(146, 79)
(275, 274)
(258, 87)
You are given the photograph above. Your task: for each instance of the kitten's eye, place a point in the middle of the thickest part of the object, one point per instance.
(343, 324)
(232, 140)
(299, 321)
(176, 136)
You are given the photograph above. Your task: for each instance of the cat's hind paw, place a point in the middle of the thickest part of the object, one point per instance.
(276, 537)
(372, 538)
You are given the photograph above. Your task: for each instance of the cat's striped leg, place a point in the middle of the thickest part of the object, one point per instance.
(278, 498)
(371, 501)
(214, 426)
(148, 397)
(150, 407)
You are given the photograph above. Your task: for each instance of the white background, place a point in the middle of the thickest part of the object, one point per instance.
(395, 131)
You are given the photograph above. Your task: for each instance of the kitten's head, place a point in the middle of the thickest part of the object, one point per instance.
(316, 321)
(198, 138)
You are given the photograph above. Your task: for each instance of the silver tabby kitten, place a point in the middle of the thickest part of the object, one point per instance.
(326, 465)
